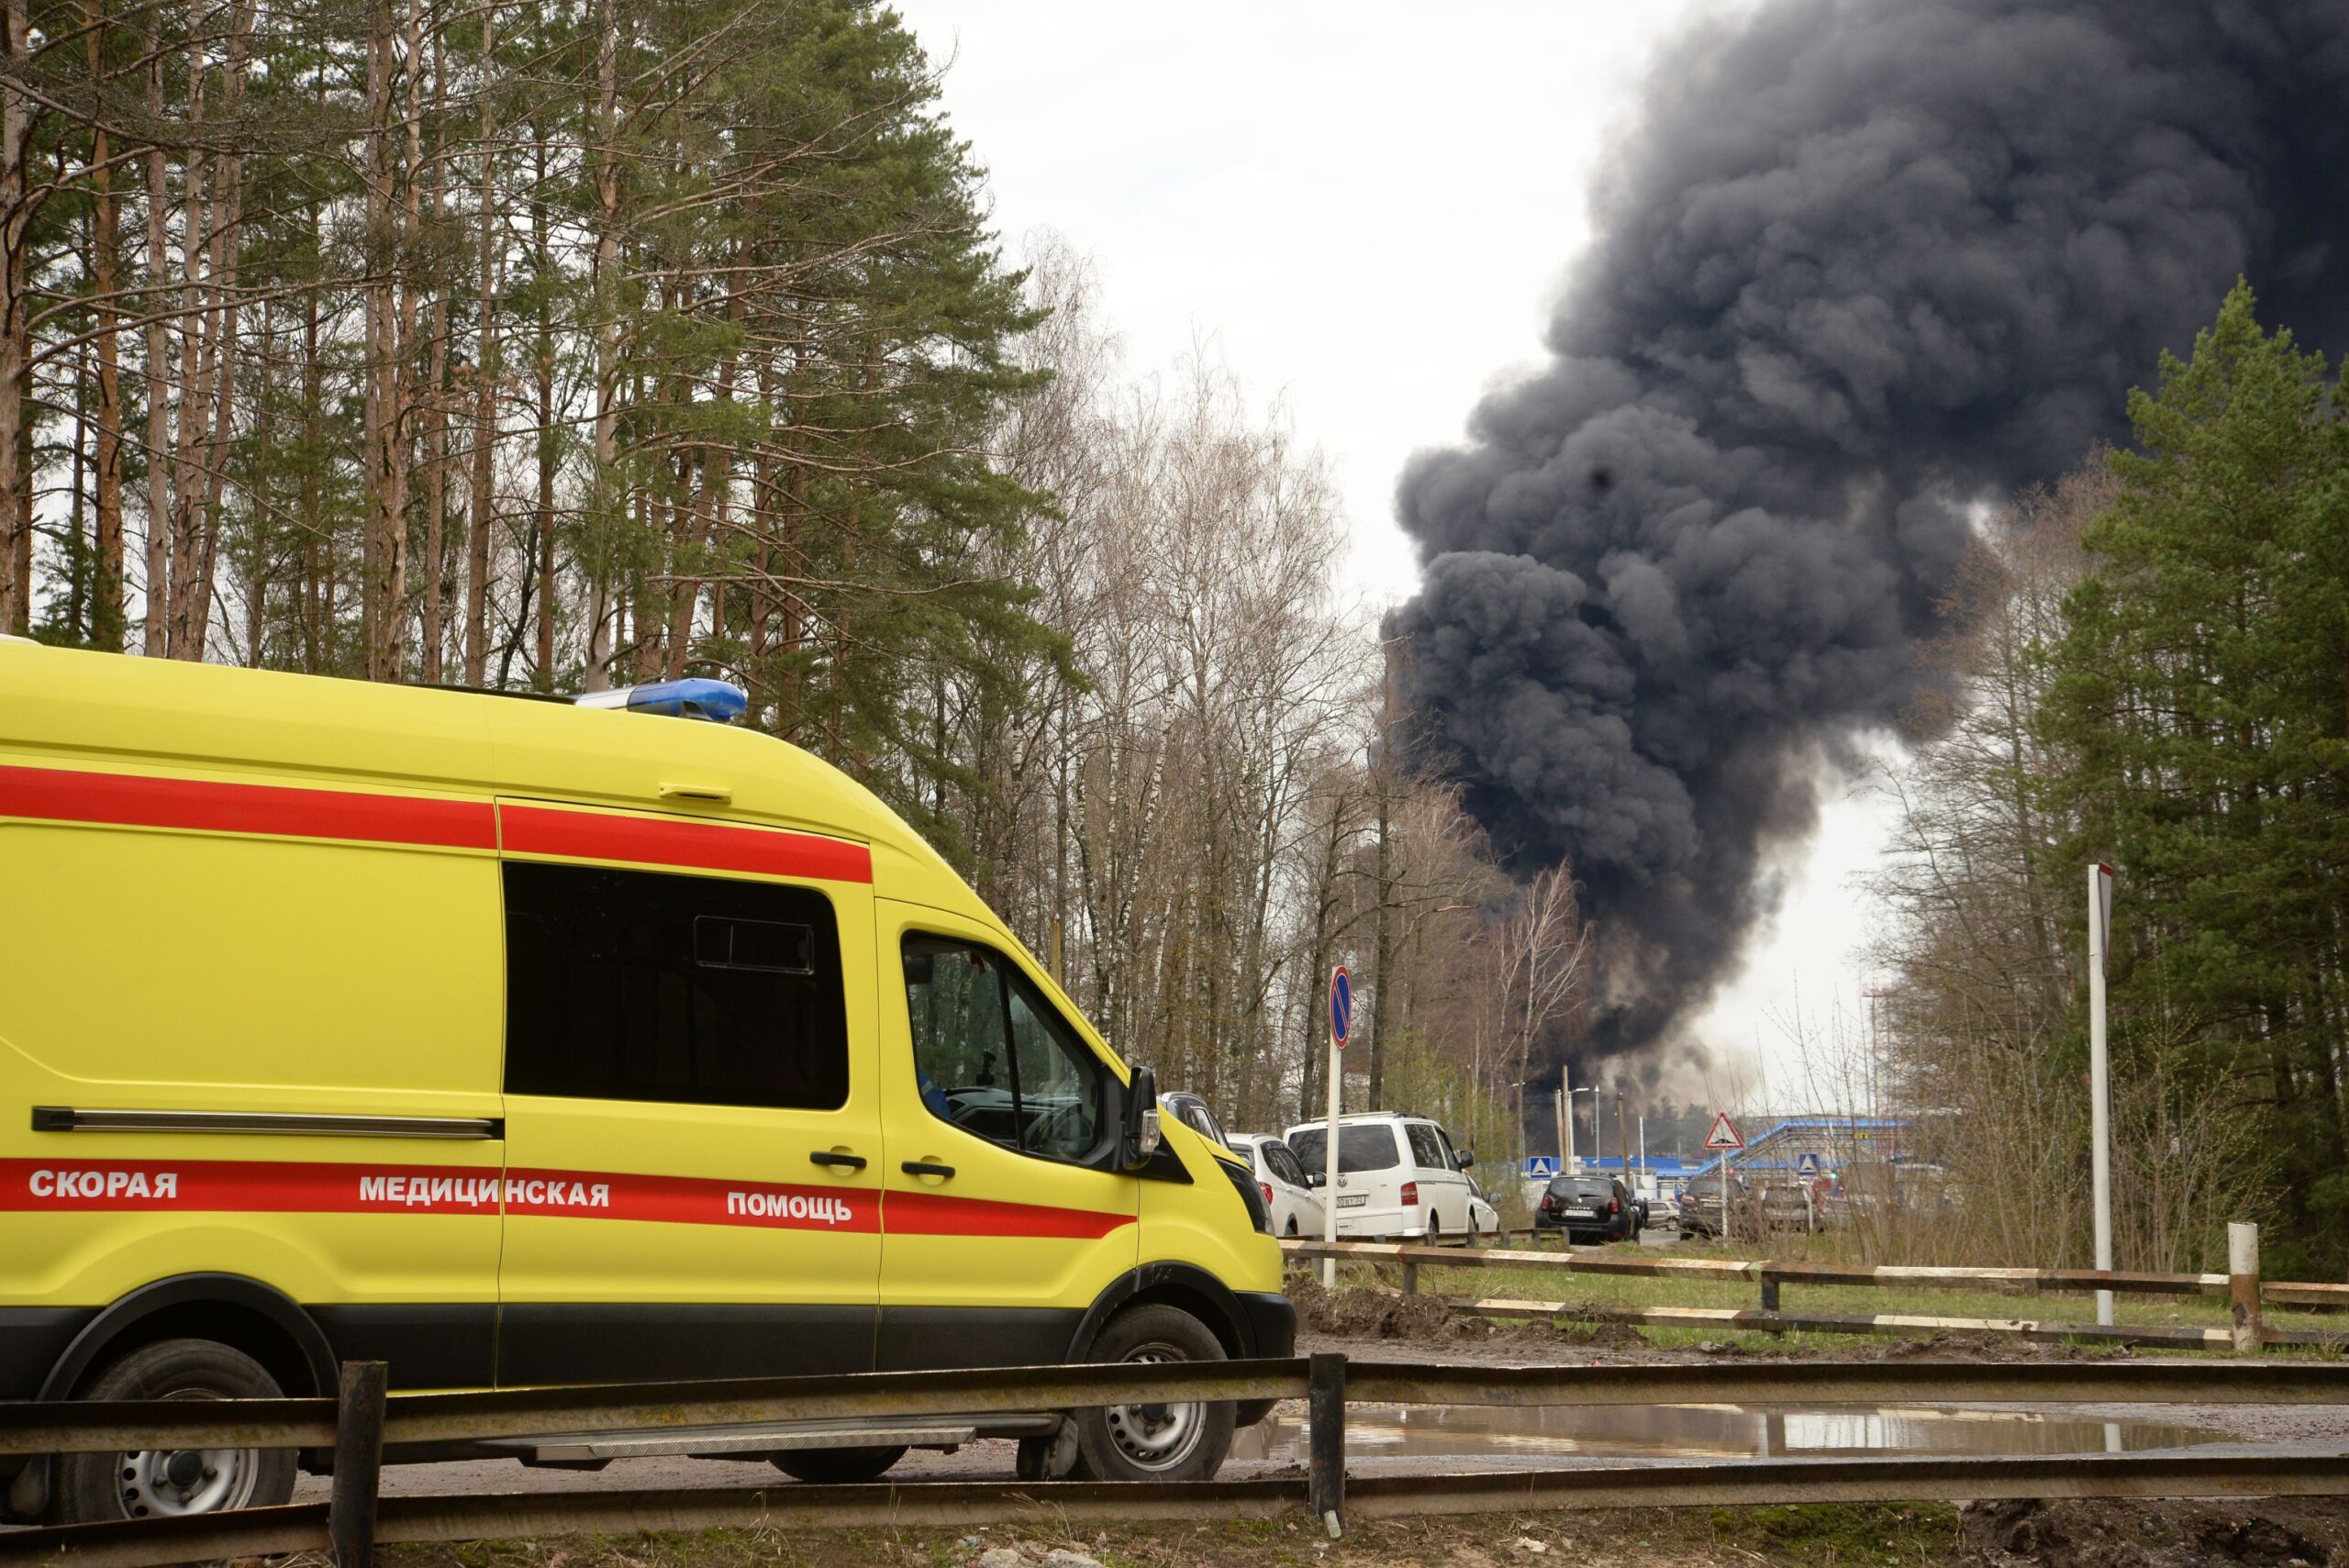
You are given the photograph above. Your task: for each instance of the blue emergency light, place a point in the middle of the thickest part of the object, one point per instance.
(720, 702)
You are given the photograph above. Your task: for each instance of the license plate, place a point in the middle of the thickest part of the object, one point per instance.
(1597, 1211)
(1352, 1200)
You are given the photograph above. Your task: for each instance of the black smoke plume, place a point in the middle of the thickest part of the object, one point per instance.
(1863, 264)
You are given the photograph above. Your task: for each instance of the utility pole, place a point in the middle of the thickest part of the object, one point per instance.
(2101, 1076)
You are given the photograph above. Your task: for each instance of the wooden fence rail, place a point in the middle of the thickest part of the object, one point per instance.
(2246, 1293)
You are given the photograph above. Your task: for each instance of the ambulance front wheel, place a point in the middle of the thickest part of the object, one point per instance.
(837, 1466)
(1159, 1441)
(160, 1482)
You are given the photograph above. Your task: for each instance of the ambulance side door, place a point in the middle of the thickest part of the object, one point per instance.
(1006, 1214)
(692, 1111)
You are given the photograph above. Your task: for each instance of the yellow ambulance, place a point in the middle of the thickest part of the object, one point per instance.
(519, 1041)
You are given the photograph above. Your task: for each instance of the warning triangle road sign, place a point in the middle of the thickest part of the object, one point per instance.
(1724, 1134)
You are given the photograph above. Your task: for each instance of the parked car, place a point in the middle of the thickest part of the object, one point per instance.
(1398, 1176)
(1662, 1212)
(1787, 1206)
(1701, 1208)
(1195, 1114)
(1291, 1191)
(1593, 1207)
(1484, 1219)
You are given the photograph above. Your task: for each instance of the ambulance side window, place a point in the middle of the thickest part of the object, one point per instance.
(689, 990)
(991, 1057)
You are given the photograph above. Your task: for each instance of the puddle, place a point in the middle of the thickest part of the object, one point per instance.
(1704, 1431)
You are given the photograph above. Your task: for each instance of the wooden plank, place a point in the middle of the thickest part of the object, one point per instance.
(1725, 1269)
(1755, 1319)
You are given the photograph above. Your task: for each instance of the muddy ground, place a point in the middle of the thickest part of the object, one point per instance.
(1373, 1325)
(2285, 1534)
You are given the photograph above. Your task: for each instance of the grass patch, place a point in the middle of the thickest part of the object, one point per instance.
(1843, 1535)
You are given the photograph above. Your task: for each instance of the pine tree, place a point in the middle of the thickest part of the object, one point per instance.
(2203, 692)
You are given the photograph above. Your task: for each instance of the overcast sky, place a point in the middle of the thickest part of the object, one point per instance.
(1366, 211)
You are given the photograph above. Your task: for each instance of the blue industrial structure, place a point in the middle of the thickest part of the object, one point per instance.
(1833, 1140)
(1826, 1142)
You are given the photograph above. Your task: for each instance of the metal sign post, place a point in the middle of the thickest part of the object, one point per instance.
(2101, 1076)
(1341, 1018)
(1725, 1139)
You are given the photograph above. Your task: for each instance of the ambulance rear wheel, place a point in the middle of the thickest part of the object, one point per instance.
(161, 1483)
(1161, 1441)
(837, 1466)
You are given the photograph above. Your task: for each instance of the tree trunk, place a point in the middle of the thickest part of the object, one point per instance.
(603, 289)
(544, 365)
(196, 323)
(485, 455)
(218, 377)
(436, 376)
(16, 348)
(383, 414)
(317, 611)
(256, 577)
(106, 625)
(158, 363)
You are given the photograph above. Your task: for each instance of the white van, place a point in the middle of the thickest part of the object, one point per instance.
(1292, 1192)
(1398, 1178)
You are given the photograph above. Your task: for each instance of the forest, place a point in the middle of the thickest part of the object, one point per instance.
(559, 345)
(562, 344)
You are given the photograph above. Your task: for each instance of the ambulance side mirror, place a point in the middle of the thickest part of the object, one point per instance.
(1141, 1140)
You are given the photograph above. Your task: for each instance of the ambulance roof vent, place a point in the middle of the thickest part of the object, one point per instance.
(720, 702)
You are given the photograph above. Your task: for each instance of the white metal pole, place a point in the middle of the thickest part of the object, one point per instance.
(1643, 1146)
(1567, 1116)
(1329, 1185)
(2100, 1077)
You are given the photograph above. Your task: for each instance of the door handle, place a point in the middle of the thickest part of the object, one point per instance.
(845, 1161)
(926, 1168)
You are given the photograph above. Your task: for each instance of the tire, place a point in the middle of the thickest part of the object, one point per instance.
(1153, 1442)
(1434, 1238)
(1292, 1227)
(837, 1466)
(163, 1483)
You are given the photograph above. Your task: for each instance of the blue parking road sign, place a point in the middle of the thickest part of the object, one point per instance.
(1342, 1006)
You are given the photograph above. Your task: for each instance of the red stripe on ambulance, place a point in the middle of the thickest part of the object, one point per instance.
(936, 1214)
(272, 1187)
(200, 806)
(700, 1200)
(701, 846)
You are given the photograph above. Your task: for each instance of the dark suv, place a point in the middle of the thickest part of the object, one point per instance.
(1701, 1208)
(1588, 1208)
